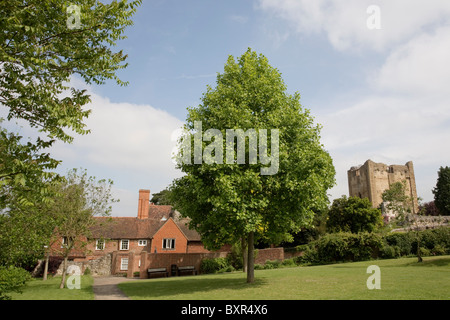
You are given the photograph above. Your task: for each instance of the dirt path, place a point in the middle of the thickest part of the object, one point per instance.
(105, 288)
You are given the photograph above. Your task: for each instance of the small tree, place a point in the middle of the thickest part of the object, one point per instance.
(353, 215)
(396, 200)
(442, 191)
(80, 198)
(401, 204)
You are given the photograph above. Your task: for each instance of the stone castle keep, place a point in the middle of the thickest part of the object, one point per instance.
(371, 179)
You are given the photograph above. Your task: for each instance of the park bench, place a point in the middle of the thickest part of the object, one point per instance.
(187, 269)
(157, 270)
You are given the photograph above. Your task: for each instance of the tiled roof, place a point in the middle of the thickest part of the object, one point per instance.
(135, 228)
(125, 228)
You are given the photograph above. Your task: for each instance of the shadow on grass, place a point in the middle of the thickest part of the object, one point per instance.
(188, 287)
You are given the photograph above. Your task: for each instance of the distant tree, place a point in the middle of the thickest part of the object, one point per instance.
(161, 198)
(354, 215)
(429, 209)
(442, 191)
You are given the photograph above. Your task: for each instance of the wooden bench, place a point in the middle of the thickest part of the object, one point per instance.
(187, 269)
(158, 270)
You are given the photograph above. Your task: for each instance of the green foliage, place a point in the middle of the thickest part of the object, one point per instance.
(24, 171)
(39, 56)
(337, 247)
(23, 235)
(40, 53)
(12, 279)
(228, 201)
(397, 200)
(354, 215)
(342, 246)
(161, 198)
(442, 191)
(272, 264)
(403, 241)
(213, 265)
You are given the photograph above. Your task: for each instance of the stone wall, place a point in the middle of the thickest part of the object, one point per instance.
(98, 267)
(413, 222)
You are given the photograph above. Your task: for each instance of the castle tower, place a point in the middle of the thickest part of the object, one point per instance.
(371, 179)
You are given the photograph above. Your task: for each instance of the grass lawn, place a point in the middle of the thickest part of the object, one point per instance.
(37, 289)
(400, 279)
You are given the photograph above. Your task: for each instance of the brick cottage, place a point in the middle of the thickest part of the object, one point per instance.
(121, 242)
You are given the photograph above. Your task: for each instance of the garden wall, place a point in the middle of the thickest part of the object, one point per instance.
(166, 260)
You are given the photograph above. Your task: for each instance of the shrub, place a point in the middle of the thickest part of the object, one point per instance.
(212, 265)
(403, 241)
(348, 247)
(272, 264)
(439, 250)
(288, 262)
(309, 256)
(12, 279)
(389, 252)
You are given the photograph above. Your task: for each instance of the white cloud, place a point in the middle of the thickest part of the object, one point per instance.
(406, 115)
(421, 66)
(128, 143)
(124, 134)
(345, 22)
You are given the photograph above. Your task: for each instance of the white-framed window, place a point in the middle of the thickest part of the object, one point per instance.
(124, 244)
(99, 244)
(124, 264)
(66, 242)
(168, 244)
(142, 243)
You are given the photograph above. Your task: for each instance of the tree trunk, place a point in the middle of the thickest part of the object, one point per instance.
(45, 267)
(63, 280)
(244, 254)
(251, 259)
(419, 257)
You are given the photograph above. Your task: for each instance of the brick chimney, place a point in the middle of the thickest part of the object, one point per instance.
(143, 205)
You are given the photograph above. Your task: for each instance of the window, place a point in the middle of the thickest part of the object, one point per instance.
(124, 264)
(99, 244)
(142, 243)
(168, 244)
(124, 244)
(66, 242)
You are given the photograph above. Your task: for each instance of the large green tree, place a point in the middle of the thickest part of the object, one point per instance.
(442, 191)
(240, 193)
(43, 45)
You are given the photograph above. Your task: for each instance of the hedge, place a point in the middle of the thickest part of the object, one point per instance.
(345, 246)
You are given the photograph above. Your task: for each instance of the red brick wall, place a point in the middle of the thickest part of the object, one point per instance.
(197, 247)
(114, 245)
(157, 260)
(169, 231)
(269, 254)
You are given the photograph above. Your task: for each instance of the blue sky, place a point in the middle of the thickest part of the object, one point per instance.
(380, 94)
